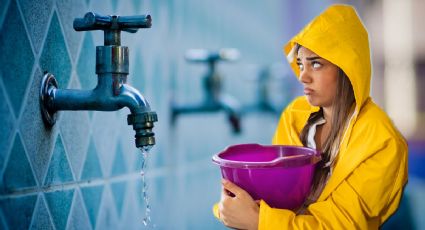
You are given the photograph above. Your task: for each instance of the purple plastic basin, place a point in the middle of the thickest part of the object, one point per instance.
(280, 175)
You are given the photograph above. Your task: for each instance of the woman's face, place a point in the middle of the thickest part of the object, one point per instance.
(318, 76)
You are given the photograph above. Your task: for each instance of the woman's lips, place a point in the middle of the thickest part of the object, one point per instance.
(308, 91)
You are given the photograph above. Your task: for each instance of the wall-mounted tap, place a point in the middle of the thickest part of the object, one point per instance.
(263, 102)
(276, 87)
(111, 93)
(214, 99)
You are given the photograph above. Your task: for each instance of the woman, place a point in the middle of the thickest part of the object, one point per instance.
(360, 181)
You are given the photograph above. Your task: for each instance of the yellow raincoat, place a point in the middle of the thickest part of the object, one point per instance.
(371, 170)
(368, 179)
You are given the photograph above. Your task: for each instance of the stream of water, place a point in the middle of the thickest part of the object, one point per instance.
(147, 218)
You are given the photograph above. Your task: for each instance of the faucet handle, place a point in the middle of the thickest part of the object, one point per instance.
(112, 25)
(93, 21)
(202, 55)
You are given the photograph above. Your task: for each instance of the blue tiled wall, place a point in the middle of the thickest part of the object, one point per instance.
(84, 172)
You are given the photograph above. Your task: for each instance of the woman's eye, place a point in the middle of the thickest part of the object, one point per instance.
(300, 66)
(316, 65)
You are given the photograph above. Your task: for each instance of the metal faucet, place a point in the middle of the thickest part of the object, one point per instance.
(111, 93)
(263, 103)
(214, 99)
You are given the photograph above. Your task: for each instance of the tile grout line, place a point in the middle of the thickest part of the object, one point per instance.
(86, 183)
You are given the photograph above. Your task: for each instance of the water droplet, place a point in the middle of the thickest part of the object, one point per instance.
(145, 149)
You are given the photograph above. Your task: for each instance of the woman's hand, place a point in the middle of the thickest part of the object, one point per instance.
(237, 209)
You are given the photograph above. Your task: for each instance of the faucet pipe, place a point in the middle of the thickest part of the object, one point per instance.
(224, 103)
(101, 98)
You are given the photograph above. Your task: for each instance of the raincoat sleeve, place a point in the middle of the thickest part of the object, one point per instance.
(363, 200)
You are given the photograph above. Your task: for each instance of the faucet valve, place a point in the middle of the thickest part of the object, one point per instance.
(143, 123)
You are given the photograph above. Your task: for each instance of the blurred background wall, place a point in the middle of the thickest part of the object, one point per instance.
(84, 173)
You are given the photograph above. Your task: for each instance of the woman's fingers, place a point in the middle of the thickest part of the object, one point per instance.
(226, 193)
(240, 211)
(234, 189)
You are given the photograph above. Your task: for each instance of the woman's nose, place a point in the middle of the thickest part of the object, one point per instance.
(304, 77)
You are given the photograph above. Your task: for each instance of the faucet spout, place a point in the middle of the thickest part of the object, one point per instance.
(233, 110)
(132, 99)
(141, 117)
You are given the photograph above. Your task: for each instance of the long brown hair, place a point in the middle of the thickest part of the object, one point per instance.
(343, 105)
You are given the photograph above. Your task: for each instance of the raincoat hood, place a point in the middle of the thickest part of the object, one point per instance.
(338, 36)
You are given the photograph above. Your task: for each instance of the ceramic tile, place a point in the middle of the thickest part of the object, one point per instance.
(68, 11)
(119, 166)
(37, 19)
(59, 203)
(3, 224)
(137, 74)
(107, 216)
(158, 79)
(137, 6)
(17, 75)
(162, 188)
(91, 169)
(171, 14)
(3, 8)
(59, 171)
(105, 126)
(54, 47)
(118, 191)
(37, 138)
(6, 128)
(158, 154)
(127, 143)
(41, 217)
(18, 173)
(18, 211)
(78, 217)
(131, 217)
(92, 197)
(75, 130)
(86, 66)
(201, 205)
